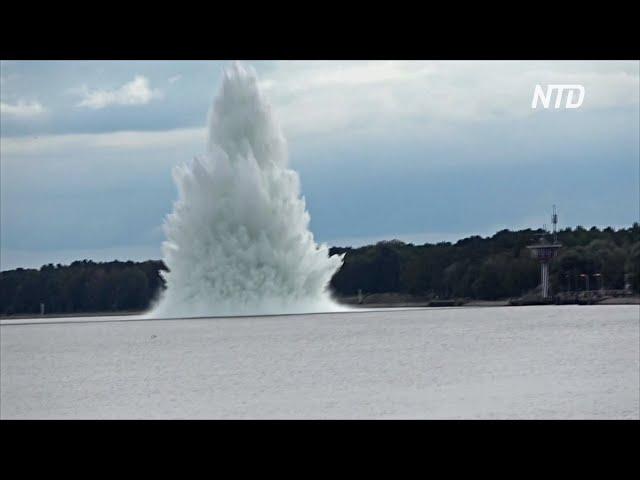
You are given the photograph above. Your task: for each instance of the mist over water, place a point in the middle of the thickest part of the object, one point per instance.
(238, 239)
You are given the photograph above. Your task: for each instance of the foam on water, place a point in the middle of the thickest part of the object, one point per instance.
(238, 239)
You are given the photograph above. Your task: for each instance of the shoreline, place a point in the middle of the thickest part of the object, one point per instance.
(631, 300)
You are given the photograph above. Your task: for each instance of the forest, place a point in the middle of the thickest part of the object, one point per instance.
(496, 267)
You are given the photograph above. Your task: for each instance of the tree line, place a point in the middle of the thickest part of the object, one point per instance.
(492, 268)
(489, 268)
(83, 286)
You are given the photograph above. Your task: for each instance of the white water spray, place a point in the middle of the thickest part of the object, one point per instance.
(238, 241)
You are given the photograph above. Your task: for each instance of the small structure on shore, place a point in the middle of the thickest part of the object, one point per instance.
(545, 250)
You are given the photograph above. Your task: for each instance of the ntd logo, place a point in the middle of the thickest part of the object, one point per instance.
(545, 98)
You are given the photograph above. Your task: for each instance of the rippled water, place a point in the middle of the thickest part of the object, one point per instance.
(510, 362)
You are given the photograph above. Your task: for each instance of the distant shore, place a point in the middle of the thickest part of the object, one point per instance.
(390, 300)
(372, 301)
(498, 269)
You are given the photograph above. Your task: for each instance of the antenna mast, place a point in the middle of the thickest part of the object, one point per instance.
(554, 220)
(545, 252)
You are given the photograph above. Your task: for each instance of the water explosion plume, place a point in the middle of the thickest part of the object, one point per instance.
(238, 240)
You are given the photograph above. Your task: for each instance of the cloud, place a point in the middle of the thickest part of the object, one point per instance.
(135, 92)
(415, 134)
(174, 79)
(333, 97)
(22, 108)
(124, 140)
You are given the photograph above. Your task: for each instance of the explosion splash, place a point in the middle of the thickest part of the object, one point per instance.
(238, 239)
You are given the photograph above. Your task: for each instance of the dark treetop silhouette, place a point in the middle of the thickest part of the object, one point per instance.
(478, 268)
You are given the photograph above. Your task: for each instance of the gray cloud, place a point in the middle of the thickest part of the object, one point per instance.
(22, 109)
(382, 148)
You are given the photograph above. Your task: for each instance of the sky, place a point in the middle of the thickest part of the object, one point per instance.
(419, 151)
